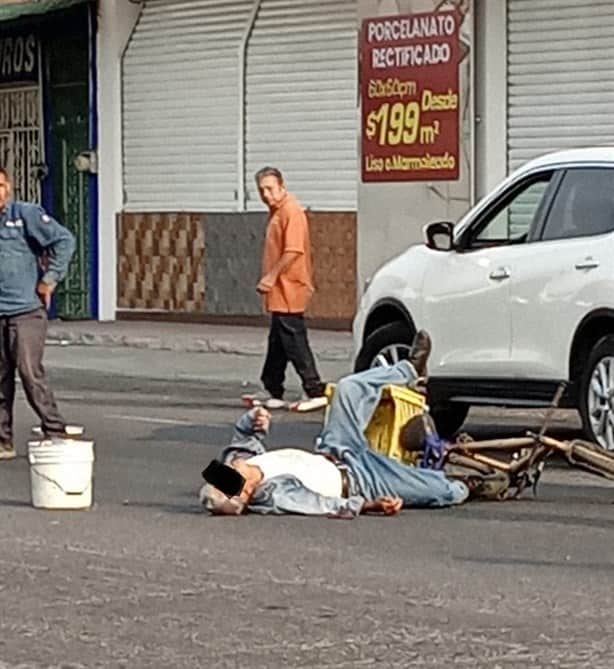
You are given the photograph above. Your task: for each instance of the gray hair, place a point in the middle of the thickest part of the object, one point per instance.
(268, 172)
(218, 504)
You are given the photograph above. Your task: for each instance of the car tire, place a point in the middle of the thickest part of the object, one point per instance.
(595, 405)
(391, 334)
(449, 417)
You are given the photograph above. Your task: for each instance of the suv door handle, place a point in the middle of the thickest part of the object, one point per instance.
(587, 263)
(499, 274)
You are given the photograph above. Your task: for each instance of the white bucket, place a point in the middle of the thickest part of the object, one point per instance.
(61, 473)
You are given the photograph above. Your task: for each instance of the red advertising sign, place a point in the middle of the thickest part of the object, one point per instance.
(410, 97)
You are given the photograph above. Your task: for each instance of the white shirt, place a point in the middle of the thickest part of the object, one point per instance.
(313, 471)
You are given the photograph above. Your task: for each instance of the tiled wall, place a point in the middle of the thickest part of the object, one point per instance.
(232, 270)
(333, 240)
(161, 259)
(209, 264)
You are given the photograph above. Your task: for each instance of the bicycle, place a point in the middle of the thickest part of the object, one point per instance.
(506, 466)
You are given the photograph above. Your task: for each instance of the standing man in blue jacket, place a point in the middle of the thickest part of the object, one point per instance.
(26, 234)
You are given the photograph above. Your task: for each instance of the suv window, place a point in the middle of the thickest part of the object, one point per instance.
(584, 205)
(512, 218)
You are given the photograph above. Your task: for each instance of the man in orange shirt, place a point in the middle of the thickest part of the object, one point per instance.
(286, 287)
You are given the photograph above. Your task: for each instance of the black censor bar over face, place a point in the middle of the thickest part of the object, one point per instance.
(226, 479)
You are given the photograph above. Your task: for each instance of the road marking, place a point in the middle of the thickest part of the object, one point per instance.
(146, 419)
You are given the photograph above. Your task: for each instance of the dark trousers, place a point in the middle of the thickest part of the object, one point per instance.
(288, 343)
(22, 342)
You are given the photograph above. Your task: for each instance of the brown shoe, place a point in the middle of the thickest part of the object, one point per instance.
(7, 452)
(420, 351)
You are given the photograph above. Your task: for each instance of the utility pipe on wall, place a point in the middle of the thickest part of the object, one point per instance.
(241, 193)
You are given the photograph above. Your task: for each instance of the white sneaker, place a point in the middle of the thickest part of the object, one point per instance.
(309, 404)
(274, 403)
(69, 430)
(263, 400)
(73, 430)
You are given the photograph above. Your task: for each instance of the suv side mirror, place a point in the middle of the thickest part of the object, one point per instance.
(439, 235)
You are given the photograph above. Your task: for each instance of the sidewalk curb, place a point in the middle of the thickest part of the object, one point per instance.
(187, 345)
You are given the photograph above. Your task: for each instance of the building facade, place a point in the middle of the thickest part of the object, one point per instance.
(213, 90)
(60, 130)
(47, 126)
(141, 124)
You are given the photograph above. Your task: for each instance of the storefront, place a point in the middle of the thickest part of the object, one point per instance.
(539, 77)
(47, 127)
(560, 77)
(551, 88)
(212, 91)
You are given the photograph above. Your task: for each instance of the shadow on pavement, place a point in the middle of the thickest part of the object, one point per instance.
(492, 511)
(16, 503)
(518, 562)
(191, 509)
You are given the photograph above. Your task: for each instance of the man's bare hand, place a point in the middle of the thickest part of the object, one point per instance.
(45, 292)
(265, 284)
(389, 506)
(261, 420)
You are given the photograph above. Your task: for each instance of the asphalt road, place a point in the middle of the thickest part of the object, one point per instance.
(146, 579)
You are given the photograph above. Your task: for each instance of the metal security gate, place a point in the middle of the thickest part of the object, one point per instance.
(215, 89)
(300, 102)
(180, 105)
(20, 140)
(560, 76)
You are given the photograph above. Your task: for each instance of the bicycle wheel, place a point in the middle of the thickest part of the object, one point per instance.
(592, 458)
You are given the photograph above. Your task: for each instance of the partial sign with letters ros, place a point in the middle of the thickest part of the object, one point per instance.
(410, 97)
(18, 58)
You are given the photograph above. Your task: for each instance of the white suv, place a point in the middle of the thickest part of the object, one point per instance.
(517, 296)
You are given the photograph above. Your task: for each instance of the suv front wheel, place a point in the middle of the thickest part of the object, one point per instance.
(449, 417)
(385, 346)
(597, 393)
(391, 343)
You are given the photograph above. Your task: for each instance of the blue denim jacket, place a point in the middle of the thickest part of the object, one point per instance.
(284, 494)
(25, 233)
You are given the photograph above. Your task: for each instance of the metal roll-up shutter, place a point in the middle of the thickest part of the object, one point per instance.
(560, 76)
(181, 105)
(301, 100)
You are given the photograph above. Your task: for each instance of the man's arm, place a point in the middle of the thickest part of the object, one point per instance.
(286, 494)
(253, 423)
(51, 236)
(267, 282)
(295, 238)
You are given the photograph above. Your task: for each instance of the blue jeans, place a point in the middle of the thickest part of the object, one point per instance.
(355, 400)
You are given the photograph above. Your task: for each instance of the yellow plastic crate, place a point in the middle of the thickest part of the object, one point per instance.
(383, 433)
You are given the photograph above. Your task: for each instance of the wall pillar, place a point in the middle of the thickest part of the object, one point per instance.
(491, 95)
(116, 22)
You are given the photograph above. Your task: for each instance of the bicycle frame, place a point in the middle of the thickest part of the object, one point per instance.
(528, 457)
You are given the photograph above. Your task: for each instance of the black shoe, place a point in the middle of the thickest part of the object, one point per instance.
(420, 351)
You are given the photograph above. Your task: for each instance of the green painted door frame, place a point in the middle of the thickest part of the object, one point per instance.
(66, 61)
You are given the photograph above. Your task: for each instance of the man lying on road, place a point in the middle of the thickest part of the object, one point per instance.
(342, 477)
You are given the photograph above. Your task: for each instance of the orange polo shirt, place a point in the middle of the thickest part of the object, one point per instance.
(288, 230)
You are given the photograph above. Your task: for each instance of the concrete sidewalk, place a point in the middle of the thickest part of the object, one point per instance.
(189, 337)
